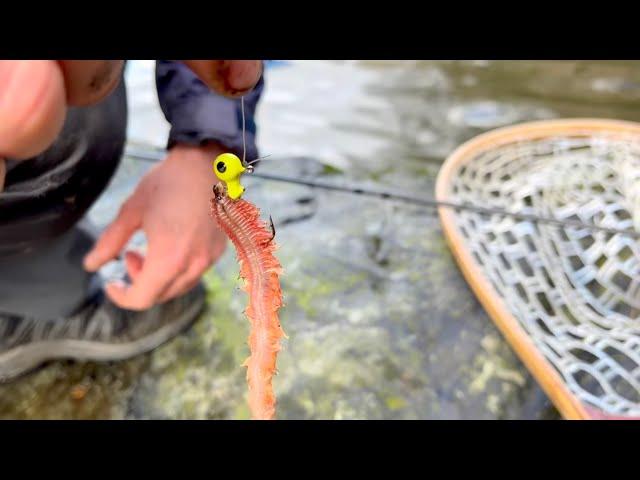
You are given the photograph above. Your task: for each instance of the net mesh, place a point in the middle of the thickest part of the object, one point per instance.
(575, 292)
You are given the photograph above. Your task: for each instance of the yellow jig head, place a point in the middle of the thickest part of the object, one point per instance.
(228, 168)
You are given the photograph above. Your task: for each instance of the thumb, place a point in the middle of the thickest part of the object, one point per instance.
(232, 78)
(32, 106)
(114, 238)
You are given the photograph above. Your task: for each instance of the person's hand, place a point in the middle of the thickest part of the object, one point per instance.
(171, 206)
(35, 94)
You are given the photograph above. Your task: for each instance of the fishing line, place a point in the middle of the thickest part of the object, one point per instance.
(439, 203)
(153, 156)
(244, 141)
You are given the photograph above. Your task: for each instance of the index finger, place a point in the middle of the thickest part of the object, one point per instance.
(232, 78)
(147, 288)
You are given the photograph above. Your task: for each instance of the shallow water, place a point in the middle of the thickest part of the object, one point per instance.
(381, 323)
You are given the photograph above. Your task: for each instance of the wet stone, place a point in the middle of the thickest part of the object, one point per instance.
(381, 323)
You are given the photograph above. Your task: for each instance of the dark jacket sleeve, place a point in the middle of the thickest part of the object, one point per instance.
(198, 115)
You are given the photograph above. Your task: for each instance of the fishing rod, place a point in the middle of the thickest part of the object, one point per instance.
(153, 155)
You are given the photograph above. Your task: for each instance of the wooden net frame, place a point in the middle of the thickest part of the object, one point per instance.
(567, 299)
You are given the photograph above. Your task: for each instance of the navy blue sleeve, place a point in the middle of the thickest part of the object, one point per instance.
(198, 115)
